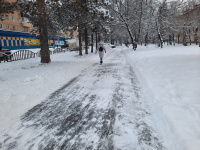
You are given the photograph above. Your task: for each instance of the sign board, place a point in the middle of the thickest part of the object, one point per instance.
(31, 42)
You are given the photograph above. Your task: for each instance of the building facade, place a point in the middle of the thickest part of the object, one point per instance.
(15, 22)
(16, 32)
(189, 31)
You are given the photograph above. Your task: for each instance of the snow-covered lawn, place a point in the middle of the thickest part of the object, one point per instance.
(26, 83)
(169, 80)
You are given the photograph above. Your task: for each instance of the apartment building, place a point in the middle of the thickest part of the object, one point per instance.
(15, 22)
(190, 29)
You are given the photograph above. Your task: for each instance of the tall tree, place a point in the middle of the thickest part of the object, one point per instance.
(37, 11)
(42, 24)
(87, 15)
(124, 17)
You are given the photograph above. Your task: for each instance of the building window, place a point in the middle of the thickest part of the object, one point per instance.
(19, 20)
(13, 18)
(14, 28)
(7, 27)
(25, 29)
(7, 17)
(1, 26)
(20, 29)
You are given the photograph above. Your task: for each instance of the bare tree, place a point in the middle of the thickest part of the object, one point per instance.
(124, 17)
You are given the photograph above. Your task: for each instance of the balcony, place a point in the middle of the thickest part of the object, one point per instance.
(26, 24)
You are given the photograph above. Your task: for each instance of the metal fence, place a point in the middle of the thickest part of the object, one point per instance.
(26, 54)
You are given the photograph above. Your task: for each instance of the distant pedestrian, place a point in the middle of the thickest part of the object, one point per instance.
(101, 50)
(134, 46)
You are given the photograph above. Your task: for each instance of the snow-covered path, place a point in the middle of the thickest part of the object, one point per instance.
(102, 108)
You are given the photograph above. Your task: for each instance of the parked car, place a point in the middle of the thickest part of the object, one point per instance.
(5, 51)
(65, 46)
(113, 46)
(2, 54)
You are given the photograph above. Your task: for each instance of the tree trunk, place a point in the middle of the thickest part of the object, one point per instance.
(136, 37)
(178, 39)
(45, 54)
(140, 23)
(159, 35)
(173, 39)
(99, 37)
(96, 40)
(195, 35)
(79, 36)
(195, 39)
(92, 43)
(146, 40)
(132, 40)
(184, 39)
(190, 38)
(170, 39)
(86, 40)
(161, 41)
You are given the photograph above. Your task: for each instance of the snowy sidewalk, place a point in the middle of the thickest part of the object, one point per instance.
(100, 109)
(143, 99)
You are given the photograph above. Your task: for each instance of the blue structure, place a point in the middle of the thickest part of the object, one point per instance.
(20, 40)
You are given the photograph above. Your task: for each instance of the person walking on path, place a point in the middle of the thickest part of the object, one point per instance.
(101, 50)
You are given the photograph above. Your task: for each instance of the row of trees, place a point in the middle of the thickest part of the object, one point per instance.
(50, 17)
(154, 21)
(126, 21)
(53, 16)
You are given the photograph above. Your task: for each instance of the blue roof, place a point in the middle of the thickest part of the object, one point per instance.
(15, 34)
(22, 34)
